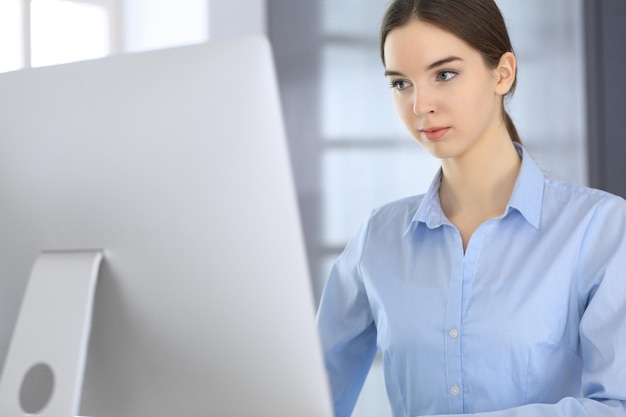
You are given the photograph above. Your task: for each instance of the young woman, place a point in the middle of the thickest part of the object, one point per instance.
(500, 292)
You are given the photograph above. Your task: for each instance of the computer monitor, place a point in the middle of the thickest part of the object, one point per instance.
(174, 163)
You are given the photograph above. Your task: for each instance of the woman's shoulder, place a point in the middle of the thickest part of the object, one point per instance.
(399, 212)
(385, 224)
(562, 187)
(571, 196)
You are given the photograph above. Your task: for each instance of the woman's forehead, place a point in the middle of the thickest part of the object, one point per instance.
(422, 44)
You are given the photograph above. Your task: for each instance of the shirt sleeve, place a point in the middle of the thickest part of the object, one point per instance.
(602, 329)
(346, 327)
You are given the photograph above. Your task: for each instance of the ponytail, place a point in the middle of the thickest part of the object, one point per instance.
(510, 127)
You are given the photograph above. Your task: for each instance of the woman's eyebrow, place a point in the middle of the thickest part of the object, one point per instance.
(393, 73)
(443, 62)
(428, 68)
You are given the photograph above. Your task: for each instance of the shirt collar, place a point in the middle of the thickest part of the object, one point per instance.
(527, 196)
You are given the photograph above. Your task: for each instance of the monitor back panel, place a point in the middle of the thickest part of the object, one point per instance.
(175, 163)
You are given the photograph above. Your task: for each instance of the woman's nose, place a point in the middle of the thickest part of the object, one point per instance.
(423, 102)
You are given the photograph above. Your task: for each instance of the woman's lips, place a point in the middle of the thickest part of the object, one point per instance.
(434, 133)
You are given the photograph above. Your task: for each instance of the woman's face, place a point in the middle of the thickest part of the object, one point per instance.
(448, 99)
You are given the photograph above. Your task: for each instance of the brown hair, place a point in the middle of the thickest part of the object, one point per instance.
(477, 22)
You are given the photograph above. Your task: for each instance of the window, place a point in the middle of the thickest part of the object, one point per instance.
(64, 31)
(47, 32)
(11, 39)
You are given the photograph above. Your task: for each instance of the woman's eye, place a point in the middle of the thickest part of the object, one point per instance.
(399, 85)
(446, 75)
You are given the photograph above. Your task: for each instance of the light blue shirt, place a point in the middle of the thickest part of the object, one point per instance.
(530, 320)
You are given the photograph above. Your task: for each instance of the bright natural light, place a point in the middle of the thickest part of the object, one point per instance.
(156, 24)
(64, 31)
(11, 57)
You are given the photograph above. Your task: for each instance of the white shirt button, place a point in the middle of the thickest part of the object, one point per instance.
(454, 334)
(455, 390)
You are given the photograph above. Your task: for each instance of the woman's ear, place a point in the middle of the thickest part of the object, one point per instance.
(506, 73)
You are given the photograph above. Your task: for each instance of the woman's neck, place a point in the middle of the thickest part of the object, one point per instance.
(477, 186)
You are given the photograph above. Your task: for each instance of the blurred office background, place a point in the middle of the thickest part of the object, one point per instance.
(349, 150)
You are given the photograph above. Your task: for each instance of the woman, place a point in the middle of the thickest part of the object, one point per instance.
(499, 292)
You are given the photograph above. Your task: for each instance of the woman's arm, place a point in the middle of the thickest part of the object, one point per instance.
(346, 327)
